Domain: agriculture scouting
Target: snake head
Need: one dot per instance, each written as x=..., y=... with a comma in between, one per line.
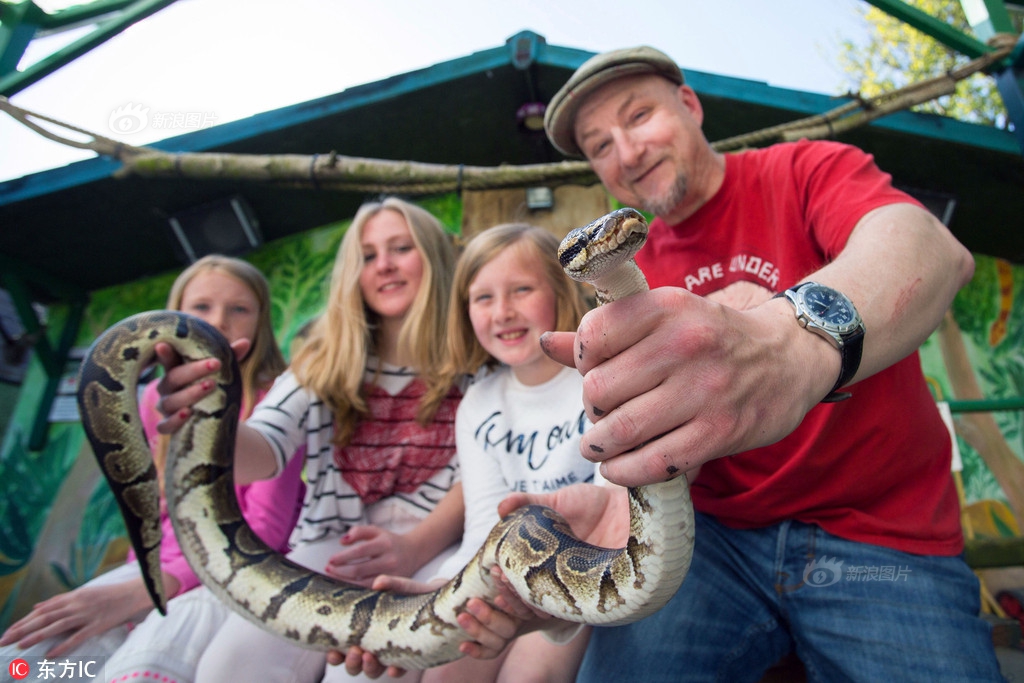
x=588, y=252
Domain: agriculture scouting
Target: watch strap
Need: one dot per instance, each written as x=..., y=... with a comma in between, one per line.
x=849, y=353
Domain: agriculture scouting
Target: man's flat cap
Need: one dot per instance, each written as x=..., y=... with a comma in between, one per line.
x=560, y=117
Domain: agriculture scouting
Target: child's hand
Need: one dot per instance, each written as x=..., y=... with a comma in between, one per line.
x=358, y=661
x=78, y=615
x=369, y=551
x=184, y=384
x=490, y=629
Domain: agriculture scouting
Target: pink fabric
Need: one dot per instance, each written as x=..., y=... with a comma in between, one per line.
x=874, y=468
x=271, y=507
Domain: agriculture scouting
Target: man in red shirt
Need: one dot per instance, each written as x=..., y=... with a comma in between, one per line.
x=775, y=355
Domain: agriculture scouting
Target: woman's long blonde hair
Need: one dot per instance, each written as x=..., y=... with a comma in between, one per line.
x=333, y=360
x=464, y=353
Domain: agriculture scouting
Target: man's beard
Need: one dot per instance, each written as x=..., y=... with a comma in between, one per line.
x=661, y=206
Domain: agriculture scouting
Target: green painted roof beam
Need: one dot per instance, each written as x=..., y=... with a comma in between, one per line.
x=140, y=9
x=987, y=17
x=1010, y=82
x=18, y=25
x=41, y=424
x=14, y=278
x=54, y=286
x=22, y=301
x=80, y=14
x=937, y=29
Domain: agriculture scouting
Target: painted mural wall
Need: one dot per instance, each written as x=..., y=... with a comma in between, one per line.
x=59, y=525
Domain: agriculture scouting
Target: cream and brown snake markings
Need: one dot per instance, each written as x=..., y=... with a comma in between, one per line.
x=534, y=546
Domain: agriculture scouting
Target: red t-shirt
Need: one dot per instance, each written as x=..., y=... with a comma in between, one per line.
x=874, y=468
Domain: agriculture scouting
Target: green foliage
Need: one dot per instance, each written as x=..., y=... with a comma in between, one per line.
x=896, y=55
x=447, y=208
x=101, y=525
x=299, y=271
x=108, y=306
x=29, y=482
x=975, y=306
x=979, y=482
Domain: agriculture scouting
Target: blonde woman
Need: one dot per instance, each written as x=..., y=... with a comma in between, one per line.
x=362, y=397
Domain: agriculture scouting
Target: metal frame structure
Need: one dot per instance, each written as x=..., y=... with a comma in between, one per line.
x=22, y=22
x=986, y=18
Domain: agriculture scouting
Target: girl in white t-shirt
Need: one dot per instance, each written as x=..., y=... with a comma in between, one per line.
x=519, y=425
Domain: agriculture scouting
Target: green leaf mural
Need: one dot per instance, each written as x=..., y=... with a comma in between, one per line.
x=988, y=313
x=299, y=270
x=975, y=305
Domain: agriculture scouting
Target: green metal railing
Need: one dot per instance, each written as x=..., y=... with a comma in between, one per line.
x=987, y=405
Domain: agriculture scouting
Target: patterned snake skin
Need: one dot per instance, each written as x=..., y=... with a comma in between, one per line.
x=534, y=546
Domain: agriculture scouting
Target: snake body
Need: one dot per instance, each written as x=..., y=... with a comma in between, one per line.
x=534, y=546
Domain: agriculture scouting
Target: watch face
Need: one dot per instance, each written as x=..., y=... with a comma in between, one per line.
x=829, y=306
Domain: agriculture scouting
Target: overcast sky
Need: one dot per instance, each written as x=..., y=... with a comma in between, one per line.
x=204, y=62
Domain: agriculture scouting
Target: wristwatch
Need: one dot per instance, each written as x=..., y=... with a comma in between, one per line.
x=830, y=314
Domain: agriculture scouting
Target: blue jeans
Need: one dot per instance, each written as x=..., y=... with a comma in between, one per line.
x=850, y=611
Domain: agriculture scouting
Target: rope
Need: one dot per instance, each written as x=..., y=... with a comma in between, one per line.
x=312, y=172
x=353, y=174
x=861, y=111
x=99, y=144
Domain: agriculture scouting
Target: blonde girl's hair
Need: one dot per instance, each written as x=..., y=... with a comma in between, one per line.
x=465, y=354
x=264, y=362
x=332, y=361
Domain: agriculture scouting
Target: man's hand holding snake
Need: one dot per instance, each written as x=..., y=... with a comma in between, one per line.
x=672, y=380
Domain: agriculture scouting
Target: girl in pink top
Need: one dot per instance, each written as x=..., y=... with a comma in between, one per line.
x=96, y=619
